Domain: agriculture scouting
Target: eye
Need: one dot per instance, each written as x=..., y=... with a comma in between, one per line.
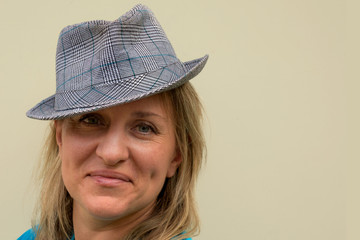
x=144, y=128
x=91, y=119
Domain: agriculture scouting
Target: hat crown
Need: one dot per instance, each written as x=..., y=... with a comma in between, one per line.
x=101, y=64
x=106, y=52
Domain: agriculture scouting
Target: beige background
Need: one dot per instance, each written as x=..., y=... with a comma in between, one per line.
x=281, y=90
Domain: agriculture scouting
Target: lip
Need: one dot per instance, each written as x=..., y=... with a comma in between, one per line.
x=109, y=178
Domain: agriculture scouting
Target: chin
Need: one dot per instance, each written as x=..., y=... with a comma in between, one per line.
x=106, y=208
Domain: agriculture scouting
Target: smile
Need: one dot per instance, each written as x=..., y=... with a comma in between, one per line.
x=109, y=178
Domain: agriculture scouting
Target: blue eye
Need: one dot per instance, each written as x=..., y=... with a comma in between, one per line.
x=144, y=128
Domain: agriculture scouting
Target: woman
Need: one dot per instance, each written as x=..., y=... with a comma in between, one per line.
x=126, y=144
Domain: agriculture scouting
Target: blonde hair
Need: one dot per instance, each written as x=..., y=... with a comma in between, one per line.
x=175, y=214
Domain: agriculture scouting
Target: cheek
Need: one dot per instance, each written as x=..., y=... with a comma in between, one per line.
x=69, y=165
x=74, y=155
x=154, y=161
x=75, y=148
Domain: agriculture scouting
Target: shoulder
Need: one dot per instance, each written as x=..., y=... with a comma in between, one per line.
x=28, y=235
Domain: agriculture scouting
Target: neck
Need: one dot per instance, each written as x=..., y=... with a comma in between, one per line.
x=89, y=227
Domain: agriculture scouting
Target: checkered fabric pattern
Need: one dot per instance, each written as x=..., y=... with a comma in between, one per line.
x=101, y=63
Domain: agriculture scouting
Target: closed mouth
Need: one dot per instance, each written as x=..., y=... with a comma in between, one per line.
x=110, y=175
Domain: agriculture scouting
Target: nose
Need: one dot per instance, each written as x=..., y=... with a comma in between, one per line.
x=113, y=148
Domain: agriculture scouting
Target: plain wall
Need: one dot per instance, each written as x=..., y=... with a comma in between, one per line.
x=281, y=92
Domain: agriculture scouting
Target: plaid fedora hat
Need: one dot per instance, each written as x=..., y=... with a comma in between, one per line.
x=102, y=63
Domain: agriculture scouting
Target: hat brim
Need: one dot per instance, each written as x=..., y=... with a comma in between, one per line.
x=45, y=110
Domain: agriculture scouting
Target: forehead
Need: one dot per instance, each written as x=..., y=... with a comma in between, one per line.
x=154, y=105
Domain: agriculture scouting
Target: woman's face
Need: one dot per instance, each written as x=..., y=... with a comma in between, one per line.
x=115, y=161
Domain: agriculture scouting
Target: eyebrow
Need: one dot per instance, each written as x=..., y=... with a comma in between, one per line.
x=142, y=114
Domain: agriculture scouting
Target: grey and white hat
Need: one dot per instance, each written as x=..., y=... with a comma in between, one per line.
x=102, y=63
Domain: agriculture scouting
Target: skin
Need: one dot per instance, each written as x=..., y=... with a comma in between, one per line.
x=114, y=164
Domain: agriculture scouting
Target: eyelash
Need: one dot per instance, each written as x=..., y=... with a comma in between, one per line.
x=143, y=124
x=84, y=119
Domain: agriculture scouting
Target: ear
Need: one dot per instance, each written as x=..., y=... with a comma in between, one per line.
x=58, y=132
x=174, y=164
